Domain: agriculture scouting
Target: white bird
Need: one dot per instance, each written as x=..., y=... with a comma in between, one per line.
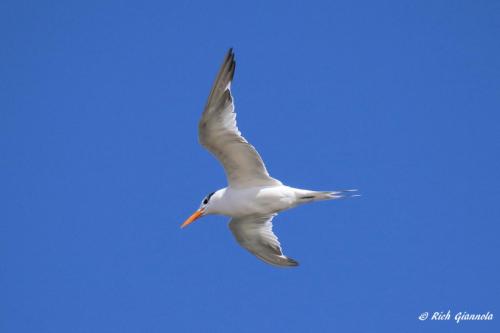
x=253, y=198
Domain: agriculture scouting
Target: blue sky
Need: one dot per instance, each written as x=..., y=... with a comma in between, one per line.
x=99, y=103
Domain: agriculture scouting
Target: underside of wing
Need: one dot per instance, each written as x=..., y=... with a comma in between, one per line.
x=219, y=133
x=256, y=235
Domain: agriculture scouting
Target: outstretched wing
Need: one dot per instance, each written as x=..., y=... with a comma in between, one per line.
x=256, y=235
x=217, y=131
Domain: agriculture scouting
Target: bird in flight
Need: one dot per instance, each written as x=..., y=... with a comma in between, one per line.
x=253, y=198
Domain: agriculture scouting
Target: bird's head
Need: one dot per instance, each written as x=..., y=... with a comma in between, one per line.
x=203, y=210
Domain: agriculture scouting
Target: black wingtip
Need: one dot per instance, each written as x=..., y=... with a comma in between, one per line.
x=230, y=54
x=232, y=63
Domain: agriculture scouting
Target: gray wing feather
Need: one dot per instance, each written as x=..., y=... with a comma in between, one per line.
x=218, y=132
x=256, y=235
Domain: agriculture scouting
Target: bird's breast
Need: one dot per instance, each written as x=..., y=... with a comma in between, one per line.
x=254, y=201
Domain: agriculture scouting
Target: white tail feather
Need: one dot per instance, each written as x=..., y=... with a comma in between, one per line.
x=329, y=195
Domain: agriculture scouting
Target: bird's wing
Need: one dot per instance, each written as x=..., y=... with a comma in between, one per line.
x=256, y=235
x=218, y=133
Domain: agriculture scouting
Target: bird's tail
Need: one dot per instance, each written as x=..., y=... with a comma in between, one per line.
x=328, y=195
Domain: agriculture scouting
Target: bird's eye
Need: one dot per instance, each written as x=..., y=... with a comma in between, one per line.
x=205, y=201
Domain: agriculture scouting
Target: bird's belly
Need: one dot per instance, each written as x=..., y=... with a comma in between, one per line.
x=260, y=201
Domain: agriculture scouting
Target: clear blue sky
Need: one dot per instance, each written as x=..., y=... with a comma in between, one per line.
x=100, y=164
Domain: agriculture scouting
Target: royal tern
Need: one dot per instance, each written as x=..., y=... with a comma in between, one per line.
x=252, y=198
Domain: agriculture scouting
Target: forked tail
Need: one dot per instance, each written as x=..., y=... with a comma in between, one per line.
x=343, y=194
x=328, y=195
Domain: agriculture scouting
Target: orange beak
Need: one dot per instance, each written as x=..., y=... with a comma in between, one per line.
x=192, y=218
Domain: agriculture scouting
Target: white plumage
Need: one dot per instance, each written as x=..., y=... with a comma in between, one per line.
x=253, y=197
